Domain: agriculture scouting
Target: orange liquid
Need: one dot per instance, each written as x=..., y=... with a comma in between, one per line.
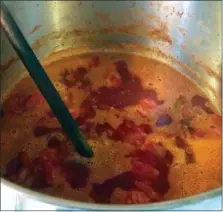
x=103, y=90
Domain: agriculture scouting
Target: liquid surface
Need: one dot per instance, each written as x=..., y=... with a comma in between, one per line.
x=154, y=134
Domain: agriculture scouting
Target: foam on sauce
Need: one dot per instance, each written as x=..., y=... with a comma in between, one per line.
x=153, y=139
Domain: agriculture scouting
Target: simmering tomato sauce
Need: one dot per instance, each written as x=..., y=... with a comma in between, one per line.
x=155, y=135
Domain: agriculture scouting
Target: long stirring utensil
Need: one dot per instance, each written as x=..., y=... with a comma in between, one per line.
x=43, y=82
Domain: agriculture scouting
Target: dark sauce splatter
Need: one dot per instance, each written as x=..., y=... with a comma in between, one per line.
x=101, y=193
x=163, y=120
x=199, y=101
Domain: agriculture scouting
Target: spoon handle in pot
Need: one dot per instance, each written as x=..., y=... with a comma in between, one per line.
x=43, y=82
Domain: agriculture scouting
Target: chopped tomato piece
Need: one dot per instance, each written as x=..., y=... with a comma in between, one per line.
x=22, y=175
x=136, y=197
x=59, y=144
x=17, y=163
x=16, y=104
x=142, y=112
x=200, y=101
x=34, y=99
x=13, y=166
x=143, y=171
x=50, y=160
x=53, y=142
x=129, y=132
x=20, y=103
x=158, y=150
x=38, y=180
x=199, y=133
x=217, y=119
x=50, y=156
x=146, y=187
x=49, y=123
x=115, y=81
x=95, y=62
x=74, y=113
x=207, y=133
x=137, y=137
x=148, y=103
x=25, y=159
x=76, y=173
x=75, y=77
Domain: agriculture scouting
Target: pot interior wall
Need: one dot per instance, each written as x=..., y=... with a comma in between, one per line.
x=186, y=35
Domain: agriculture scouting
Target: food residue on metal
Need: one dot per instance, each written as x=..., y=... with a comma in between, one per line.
x=6, y=65
x=36, y=28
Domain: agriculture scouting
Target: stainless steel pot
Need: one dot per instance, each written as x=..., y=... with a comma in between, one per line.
x=184, y=34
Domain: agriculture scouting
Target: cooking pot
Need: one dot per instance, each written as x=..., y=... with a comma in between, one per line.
x=183, y=34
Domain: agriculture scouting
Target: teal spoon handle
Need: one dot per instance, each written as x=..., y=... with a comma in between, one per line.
x=43, y=82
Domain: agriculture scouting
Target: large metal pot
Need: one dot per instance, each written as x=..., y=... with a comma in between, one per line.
x=184, y=34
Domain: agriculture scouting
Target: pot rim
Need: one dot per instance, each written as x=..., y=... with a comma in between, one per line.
x=94, y=206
